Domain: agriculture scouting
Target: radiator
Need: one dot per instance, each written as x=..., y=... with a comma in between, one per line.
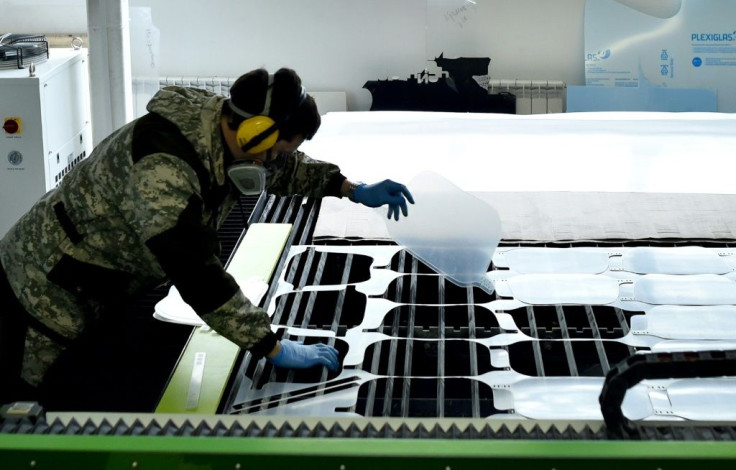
x=533, y=96
x=145, y=88
x=218, y=85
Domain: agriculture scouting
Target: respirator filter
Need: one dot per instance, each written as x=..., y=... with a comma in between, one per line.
x=250, y=179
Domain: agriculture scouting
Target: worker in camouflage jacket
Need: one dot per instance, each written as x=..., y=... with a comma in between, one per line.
x=144, y=209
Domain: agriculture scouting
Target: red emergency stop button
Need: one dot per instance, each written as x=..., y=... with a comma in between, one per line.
x=11, y=125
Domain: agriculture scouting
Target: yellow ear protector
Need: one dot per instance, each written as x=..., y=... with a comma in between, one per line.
x=259, y=132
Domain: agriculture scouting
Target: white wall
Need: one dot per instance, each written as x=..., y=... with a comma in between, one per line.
x=340, y=44
x=43, y=16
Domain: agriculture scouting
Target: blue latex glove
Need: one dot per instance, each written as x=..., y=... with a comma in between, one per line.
x=386, y=192
x=295, y=355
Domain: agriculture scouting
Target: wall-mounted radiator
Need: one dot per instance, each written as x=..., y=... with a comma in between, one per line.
x=144, y=89
x=533, y=96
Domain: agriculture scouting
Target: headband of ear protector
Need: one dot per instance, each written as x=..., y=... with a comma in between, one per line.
x=259, y=132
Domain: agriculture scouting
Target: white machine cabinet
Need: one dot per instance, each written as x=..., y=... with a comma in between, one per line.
x=46, y=129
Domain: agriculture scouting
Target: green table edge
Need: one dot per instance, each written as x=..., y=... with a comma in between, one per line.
x=36, y=451
x=256, y=256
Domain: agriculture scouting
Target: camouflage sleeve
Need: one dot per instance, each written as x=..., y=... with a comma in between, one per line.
x=300, y=174
x=167, y=213
x=244, y=324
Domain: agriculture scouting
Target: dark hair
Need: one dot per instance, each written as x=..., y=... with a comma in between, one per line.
x=248, y=94
x=305, y=121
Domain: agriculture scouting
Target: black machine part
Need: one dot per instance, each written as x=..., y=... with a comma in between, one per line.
x=670, y=365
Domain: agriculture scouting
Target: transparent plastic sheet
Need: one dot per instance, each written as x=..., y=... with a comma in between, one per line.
x=682, y=260
x=568, y=392
x=554, y=260
x=450, y=230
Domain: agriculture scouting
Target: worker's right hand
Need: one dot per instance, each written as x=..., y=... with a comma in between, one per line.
x=295, y=355
x=387, y=192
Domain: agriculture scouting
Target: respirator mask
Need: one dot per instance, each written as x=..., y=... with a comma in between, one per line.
x=250, y=178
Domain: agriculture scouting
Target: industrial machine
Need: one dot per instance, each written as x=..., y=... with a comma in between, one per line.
x=46, y=124
x=595, y=349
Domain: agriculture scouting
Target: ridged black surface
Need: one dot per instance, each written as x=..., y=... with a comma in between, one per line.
x=300, y=429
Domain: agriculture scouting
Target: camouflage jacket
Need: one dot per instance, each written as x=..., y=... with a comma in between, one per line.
x=141, y=210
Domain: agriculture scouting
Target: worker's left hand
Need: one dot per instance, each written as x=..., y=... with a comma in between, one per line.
x=296, y=355
x=386, y=192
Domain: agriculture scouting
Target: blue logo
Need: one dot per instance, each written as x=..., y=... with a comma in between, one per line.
x=600, y=55
x=713, y=37
x=697, y=61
